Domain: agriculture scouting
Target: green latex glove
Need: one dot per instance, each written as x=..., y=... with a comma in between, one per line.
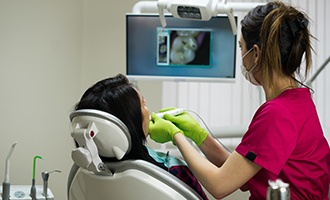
x=188, y=125
x=161, y=130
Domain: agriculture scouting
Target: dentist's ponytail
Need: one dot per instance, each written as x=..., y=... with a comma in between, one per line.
x=281, y=32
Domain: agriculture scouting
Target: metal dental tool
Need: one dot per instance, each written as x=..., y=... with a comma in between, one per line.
x=33, y=191
x=6, y=183
x=45, y=176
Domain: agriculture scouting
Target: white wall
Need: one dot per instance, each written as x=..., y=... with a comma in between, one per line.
x=40, y=65
x=104, y=49
x=50, y=52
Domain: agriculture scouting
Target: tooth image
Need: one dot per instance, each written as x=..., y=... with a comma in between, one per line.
x=189, y=55
x=191, y=43
x=183, y=49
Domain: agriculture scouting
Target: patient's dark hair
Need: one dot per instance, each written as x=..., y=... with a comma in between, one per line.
x=115, y=95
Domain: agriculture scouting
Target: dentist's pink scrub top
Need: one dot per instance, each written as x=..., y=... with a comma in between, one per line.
x=285, y=138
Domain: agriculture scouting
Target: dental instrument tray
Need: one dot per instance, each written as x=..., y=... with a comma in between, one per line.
x=22, y=192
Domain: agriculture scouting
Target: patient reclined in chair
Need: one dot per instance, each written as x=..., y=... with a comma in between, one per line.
x=99, y=135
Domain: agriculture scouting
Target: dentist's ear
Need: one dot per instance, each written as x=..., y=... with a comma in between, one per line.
x=257, y=54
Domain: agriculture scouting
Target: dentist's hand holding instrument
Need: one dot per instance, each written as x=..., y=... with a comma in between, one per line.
x=188, y=125
x=161, y=130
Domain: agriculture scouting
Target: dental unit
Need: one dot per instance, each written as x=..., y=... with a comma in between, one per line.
x=26, y=192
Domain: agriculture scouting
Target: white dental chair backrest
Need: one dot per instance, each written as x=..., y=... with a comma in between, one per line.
x=100, y=133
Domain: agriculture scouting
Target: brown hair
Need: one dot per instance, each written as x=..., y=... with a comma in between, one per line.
x=281, y=32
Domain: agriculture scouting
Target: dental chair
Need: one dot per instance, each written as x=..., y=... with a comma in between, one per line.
x=101, y=134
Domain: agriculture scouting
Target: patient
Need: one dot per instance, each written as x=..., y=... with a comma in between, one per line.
x=115, y=95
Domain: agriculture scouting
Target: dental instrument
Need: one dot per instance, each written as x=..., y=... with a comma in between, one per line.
x=6, y=183
x=173, y=112
x=25, y=192
x=33, y=191
x=45, y=176
x=178, y=111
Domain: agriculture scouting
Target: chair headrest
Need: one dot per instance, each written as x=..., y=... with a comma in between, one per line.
x=98, y=133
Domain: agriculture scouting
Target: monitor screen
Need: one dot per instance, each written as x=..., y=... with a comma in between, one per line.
x=184, y=50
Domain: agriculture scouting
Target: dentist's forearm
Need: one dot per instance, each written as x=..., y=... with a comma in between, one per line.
x=214, y=151
x=218, y=181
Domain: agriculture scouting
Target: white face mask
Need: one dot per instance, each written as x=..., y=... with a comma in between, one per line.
x=248, y=74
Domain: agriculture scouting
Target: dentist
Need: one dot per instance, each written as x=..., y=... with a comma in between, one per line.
x=284, y=139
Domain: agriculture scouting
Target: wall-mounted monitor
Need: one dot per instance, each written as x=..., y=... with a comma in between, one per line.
x=184, y=50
